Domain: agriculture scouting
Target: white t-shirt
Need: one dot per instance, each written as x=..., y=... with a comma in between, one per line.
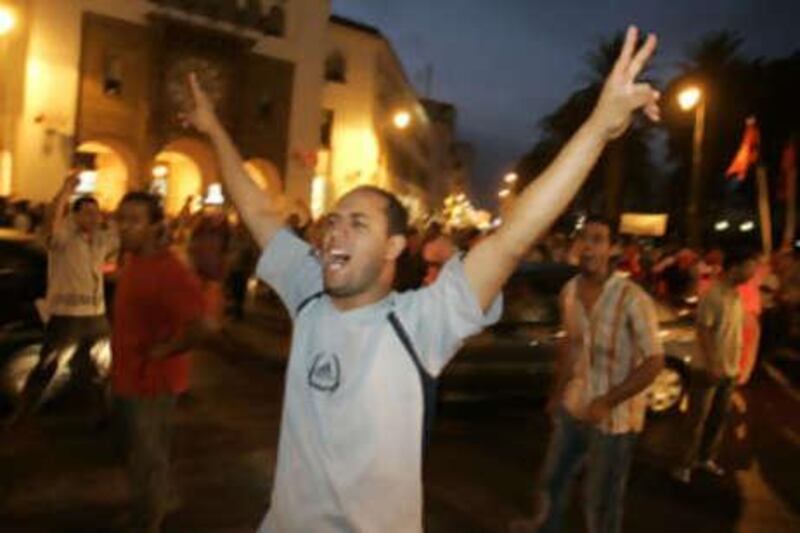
x=75, y=270
x=349, y=455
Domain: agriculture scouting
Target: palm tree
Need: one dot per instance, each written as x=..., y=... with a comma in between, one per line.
x=728, y=85
x=622, y=177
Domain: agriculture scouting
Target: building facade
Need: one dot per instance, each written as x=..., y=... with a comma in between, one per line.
x=317, y=104
x=108, y=78
x=375, y=129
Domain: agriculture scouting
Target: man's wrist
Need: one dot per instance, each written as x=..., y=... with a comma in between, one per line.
x=595, y=127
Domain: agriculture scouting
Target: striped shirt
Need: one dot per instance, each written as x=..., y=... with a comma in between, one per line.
x=606, y=345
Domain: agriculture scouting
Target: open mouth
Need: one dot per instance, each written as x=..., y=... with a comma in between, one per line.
x=336, y=260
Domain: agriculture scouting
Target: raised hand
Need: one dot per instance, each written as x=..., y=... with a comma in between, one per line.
x=202, y=117
x=71, y=182
x=622, y=94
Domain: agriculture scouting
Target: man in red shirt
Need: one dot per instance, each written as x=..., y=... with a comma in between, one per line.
x=158, y=315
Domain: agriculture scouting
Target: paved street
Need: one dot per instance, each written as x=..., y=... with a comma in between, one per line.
x=61, y=473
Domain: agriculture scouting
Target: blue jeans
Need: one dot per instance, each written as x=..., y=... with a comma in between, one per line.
x=607, y=458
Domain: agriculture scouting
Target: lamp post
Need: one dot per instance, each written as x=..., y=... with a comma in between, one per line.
x=688, y=99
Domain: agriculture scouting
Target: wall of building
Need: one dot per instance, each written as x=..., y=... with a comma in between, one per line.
x=355, y=150
x=366, y=146
x=47, y=117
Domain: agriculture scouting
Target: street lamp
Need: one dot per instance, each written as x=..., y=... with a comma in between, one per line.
x=401, y=120
x=688, y=99
x=504, y=193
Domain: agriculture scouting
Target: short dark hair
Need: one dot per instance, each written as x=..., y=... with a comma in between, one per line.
x=86, y=199
x=601, y=220
x=737, y=256
x=152, y=202
x=396, y=213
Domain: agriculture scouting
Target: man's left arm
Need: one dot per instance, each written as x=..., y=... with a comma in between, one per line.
x=492, y=261
x=641, y=315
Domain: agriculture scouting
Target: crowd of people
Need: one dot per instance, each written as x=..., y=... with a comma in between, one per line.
x=365, y=349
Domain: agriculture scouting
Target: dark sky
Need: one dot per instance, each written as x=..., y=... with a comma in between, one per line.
x=507, y=63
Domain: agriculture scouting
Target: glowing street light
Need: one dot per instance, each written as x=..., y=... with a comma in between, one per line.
x=689, y=97
x=7, y=20
x=504, y=193
x=401, y=120
x=747, y=226
x=511, y=178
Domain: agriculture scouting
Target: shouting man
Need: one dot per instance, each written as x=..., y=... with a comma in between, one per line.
x=351, y=440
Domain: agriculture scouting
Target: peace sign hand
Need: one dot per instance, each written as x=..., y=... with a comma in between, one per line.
x=622, y=94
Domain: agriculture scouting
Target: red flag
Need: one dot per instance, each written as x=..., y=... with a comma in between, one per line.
x=788, y=169
x=748, y=151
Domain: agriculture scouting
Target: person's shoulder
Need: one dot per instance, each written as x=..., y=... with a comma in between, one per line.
x=569, y=287
x=634, y=289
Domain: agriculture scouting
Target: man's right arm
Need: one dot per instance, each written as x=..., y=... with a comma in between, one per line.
x=256, y=207
x=57, y=210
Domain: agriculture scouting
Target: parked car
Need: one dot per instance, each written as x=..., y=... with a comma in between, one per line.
x=515, y=358
x=23, y=281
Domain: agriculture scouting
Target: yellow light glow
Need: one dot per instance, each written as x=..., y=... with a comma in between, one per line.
x=504, y=193
x=6, y=166
x=689, y=97
x=401, y=120
x=317, y=196
x=7, y=20
x=214, y=195
x=160, y=170
x=511, y=177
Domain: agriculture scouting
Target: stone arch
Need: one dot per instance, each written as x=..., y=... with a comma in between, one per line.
x=185, y=167
x=115, y=169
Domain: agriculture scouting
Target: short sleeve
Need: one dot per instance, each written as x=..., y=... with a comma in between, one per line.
x=441, y=316
x=289, y=265
x=644, y=322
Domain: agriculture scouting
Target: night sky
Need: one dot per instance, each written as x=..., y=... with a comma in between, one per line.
x=507, y=63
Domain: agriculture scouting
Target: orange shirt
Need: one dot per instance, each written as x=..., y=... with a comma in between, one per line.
x=156, y=297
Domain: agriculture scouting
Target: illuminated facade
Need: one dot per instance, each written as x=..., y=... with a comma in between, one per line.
x=107, y=77
x=374, y=130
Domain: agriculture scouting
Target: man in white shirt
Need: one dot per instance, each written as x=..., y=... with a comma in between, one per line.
x=720, y=321
x=349, y=456
x=77, y=248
